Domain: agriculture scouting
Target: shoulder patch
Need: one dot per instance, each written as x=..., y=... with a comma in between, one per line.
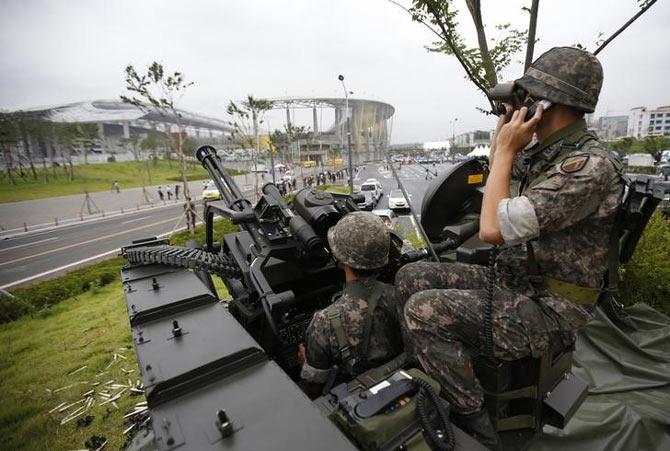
x=574, y=164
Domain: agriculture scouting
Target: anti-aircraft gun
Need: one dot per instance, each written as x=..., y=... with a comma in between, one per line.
x=218, y=374
x=225, y=375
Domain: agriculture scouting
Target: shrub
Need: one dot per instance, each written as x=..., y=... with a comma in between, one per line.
x=32, y=299
x=646, y=278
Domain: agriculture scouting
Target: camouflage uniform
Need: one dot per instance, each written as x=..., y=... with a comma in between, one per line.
x=570, y=192
x=361, y=241
x=321, y=346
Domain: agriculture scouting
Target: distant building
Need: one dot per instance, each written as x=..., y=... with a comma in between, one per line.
x=643, y=121
x=612, y=127
x=473, y=139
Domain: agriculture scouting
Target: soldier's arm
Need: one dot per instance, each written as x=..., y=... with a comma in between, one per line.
x=318, y=359
x=575, y=188
x=511, y=139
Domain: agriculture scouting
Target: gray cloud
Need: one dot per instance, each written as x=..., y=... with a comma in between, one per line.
x=61, y=51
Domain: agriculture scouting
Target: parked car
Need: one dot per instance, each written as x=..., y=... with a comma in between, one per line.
x=369, y=201
x=373, y=185
x=260, y=167
x=397, y=201
x=210, y=192
x=388, y=216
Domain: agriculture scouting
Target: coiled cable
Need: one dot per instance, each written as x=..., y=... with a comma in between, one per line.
x=442, y=437
x=488, y=302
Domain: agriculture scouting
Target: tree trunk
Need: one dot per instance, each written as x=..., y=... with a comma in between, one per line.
x=475, y=8
x=531, y=34
x=26, y=147
x=7, y=155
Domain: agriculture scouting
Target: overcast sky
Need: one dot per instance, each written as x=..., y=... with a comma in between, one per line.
x=57, y=51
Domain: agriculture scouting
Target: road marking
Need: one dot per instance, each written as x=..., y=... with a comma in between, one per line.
x=61, y=268
x=135, y=220
x=86, y=242
x=80, y=262
x=28, y=244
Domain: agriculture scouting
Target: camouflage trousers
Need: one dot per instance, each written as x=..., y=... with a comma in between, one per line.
x=444, y=321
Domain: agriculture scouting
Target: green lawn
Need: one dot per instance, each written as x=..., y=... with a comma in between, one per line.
x=38, y=353
x=96, y=177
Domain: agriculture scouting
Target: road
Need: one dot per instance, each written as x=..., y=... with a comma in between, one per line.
x=413, y=178
x=33, y=256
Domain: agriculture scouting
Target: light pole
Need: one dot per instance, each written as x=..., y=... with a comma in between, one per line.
x=346, y=111
x=453, y=134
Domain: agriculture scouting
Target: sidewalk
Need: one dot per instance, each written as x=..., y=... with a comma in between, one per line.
x=16, y=217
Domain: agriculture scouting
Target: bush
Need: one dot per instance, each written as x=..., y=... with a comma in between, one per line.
x=646, y=278
x=43, y=295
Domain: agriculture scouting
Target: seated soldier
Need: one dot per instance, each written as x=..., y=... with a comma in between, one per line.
x=359, y=330
x=556, y=236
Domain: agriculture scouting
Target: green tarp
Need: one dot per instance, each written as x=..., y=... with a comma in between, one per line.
x=628, y=406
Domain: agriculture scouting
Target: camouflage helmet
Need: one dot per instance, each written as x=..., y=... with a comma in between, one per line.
x=566, y=76
x=360, y=240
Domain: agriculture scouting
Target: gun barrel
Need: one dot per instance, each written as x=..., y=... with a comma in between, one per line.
x=229, y=190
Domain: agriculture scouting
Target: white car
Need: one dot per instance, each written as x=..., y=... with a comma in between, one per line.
x=374, y=186
x=397, y=201
x=210, y=192
x=388, y=216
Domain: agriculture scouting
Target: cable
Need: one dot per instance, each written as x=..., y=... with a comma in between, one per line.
x=438, y=439
x=488, y=302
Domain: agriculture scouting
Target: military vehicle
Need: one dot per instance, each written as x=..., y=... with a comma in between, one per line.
x=225, y=375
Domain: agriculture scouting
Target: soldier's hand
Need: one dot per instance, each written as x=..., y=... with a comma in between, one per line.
x=517, y=133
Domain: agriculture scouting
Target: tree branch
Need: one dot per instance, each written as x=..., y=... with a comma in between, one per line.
x=644, y=9
x=530, y=49
x=475, y=8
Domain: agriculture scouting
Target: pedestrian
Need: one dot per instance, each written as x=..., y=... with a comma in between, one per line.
x=116, y=187
x=160, y=193
x=294, y=182
x=168, y=190
x=556, y=236
x=189, y=210
x=176, y=191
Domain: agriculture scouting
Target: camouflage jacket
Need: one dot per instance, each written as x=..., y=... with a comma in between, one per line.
x=575, y=188
x=321, y=346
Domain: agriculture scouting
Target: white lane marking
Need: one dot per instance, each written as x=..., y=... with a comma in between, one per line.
x=28, y=244
x=135, y=220
x=80, y=262
x=86, y=242
x=61, y=268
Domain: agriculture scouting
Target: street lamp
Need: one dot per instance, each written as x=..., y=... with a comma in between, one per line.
x=453, y=134
x=346, y=111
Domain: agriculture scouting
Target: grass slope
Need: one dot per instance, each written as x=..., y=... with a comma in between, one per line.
x=97, y=177
x=38, y=353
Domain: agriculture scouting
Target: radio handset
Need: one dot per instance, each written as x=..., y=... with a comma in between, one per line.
x=546, y=104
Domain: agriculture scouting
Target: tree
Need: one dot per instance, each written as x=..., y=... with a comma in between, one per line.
x=88, y=134
x=245, y=119
x=159, y=91
x=133, y=143
x=9, y=136
x=66, y=135
x=482, y=63
x=283, y=139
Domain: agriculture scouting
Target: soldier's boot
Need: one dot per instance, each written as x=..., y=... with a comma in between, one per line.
x=479, y=426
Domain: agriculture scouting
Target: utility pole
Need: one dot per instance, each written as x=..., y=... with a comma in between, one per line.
x=346, y=108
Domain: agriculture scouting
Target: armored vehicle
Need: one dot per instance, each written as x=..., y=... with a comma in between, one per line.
x=225, y=375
